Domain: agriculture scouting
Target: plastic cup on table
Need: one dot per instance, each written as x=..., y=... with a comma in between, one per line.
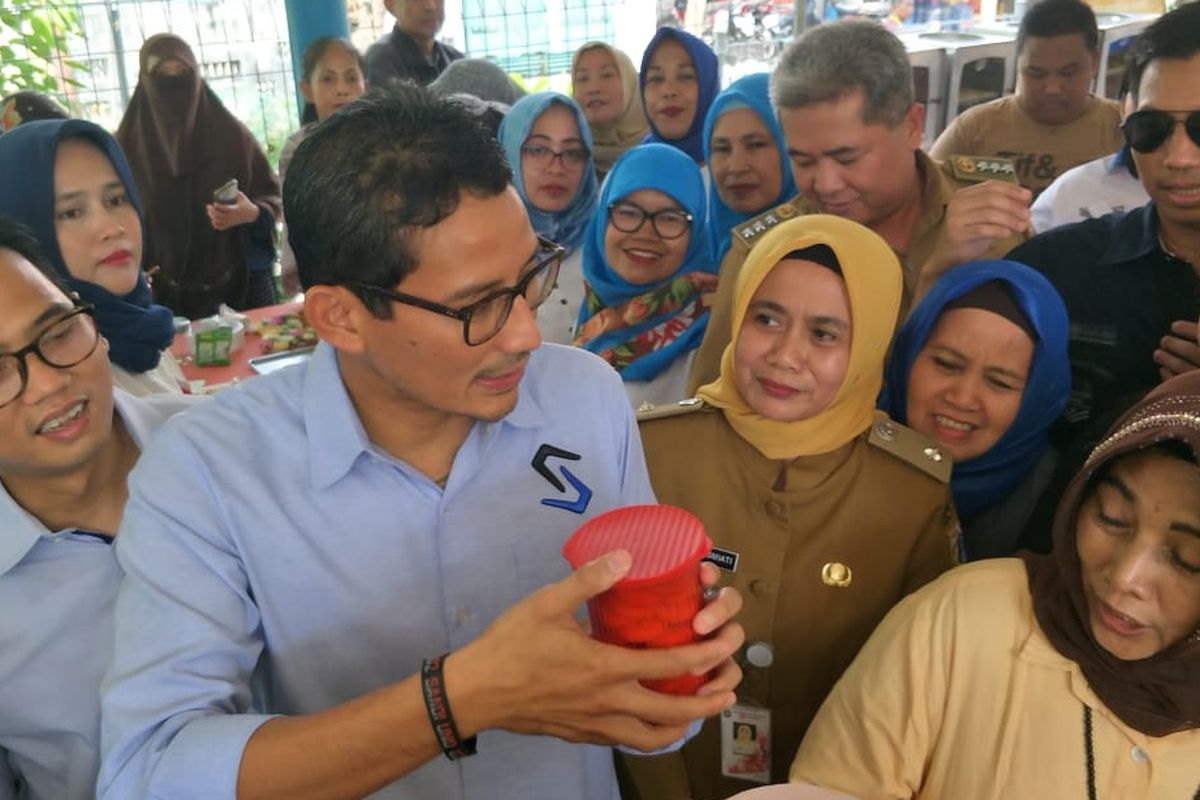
x=654, y=604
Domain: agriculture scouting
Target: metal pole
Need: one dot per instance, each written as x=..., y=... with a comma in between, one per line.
x=800, y=17
x=312, y=19
x=114, y=22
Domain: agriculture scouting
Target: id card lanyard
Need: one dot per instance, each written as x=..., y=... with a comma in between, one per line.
x=746, y=726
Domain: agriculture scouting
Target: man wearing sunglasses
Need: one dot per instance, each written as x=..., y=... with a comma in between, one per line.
x=1130, y=281
x=67, y=443
x=334, y=576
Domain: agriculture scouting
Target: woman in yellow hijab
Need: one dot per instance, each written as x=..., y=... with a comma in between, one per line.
x=823, y=512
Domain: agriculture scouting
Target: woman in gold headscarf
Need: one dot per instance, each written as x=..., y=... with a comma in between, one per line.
x=823, y=512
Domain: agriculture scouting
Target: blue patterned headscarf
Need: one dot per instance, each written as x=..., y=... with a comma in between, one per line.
x=137, y=330
x=708, y=79
x=989, y=478
x=668, y=170
x=748, y=92
x=564, y=227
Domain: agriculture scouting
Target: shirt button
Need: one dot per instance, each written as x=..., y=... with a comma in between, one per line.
x=461, y=617
x=774, y=508
x=1139, y=755
x=760, y=654
x=760, y=588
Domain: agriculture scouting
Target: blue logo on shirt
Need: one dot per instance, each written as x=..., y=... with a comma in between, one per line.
x=584, y=496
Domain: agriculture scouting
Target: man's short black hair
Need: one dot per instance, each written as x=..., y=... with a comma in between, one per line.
x=1175, y=35
x=367, y=178
x=18, y=238
x=1058, y=18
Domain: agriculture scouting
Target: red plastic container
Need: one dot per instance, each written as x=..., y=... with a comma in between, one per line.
x=654, y=604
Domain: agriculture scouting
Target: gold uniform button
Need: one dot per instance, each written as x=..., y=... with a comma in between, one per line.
x=835, y=573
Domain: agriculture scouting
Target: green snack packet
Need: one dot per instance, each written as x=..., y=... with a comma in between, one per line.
x=213, y=346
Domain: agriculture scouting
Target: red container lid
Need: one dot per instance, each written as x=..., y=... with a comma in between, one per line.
x=663, y=540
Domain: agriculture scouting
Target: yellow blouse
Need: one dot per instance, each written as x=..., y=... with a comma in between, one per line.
x=958, y=694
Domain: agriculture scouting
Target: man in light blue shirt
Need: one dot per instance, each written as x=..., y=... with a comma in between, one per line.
x=300, y=552
x=67, y=442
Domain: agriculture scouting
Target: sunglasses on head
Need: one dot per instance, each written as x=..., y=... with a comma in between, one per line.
x=1146, y=131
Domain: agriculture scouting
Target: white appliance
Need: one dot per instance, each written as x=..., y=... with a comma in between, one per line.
x=1117, y=32
x=978, y=66
x=930, y=81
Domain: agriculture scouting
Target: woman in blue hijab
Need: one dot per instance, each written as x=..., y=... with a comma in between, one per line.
x=79, y=198
x=747, y=157
x=548, y=145
x=648, y=273
x=981, y=366
x=680, y=78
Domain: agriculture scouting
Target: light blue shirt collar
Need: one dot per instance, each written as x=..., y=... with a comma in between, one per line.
x=336, y=436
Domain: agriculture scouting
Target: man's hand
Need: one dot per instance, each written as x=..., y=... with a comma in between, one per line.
x=223, y=216
x=976, y=217
x=536, y=671
x=1179, y=351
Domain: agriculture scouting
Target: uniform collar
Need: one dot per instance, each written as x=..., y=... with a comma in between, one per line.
x=936, y=191
x=336, y=436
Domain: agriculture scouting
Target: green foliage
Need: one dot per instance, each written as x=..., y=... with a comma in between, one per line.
x=543, y=83
x=33, y=46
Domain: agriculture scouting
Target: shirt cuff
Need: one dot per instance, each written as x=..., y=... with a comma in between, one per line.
x=203, y=759
x=692, y=729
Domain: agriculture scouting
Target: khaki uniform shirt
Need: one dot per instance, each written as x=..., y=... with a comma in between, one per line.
x=1040, y=152
x=938, y=184
x=879, y=505
x=960, y=695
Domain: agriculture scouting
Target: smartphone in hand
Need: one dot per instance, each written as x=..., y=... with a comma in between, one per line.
x=227, y=193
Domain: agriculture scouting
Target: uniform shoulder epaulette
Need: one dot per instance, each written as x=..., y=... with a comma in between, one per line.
x=649, y=411
x=977, y=169
x=911, y=447
x=752, y=229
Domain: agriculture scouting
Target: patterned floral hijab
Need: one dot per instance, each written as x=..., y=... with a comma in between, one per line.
x=642, y=328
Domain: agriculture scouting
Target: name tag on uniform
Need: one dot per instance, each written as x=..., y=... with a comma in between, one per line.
x=746, y=743
x=725, y=559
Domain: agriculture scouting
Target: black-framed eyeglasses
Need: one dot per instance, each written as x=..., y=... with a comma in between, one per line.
x=542, y=156
x=1148, y=130
x=68, y=340
x=484, y=318
x=668, y=223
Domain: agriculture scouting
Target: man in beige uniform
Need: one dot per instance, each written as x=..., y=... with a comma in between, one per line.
x=1053, y=122
x=844, y=96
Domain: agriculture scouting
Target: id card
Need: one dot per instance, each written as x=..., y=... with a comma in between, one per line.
x=746, y=743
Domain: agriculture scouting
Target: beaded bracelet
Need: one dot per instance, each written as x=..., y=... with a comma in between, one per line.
x=437, y=706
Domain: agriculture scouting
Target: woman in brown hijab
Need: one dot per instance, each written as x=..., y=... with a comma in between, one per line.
x=184, y=145
x=1073, y=675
